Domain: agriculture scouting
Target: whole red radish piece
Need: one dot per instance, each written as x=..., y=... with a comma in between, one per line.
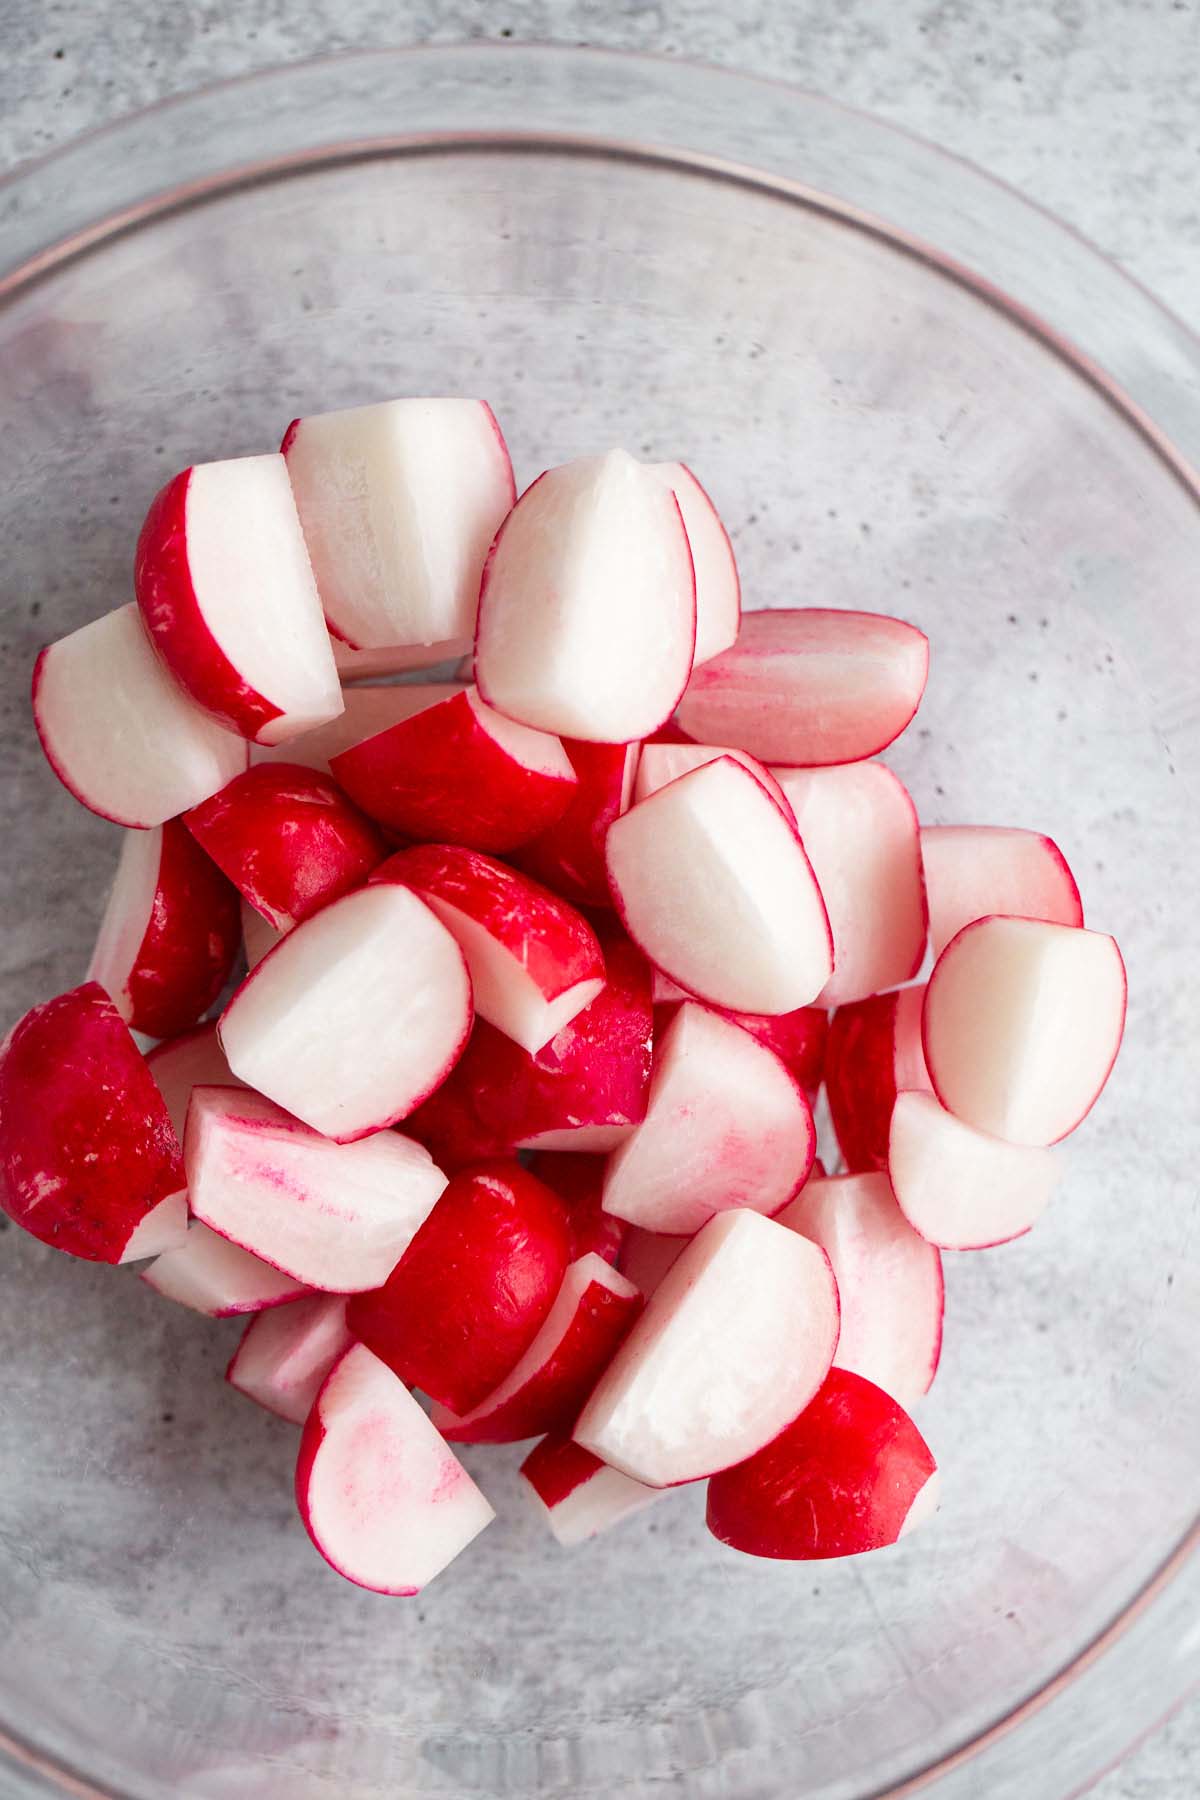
x=286, y=1354
x=660, y=764
x=798, y=1038
x=851, y=1473
x=368, y=711
x=874, y=1052
x=961, y=1188
x=211, y=1275
x=718, y=590
x=974, y=870
x=569, y=855
x=577, y=1494
x=194, y=1059
x=578, y=1181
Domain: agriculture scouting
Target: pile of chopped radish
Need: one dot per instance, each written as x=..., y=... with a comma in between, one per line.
x=544, y=967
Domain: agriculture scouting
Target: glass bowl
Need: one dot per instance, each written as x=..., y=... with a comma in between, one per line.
x=909, y=390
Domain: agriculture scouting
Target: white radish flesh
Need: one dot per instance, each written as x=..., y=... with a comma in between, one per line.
x=974, y=870
x=959, y=1187
x=211, y=1275
x=287, y=1353
x=718, y=590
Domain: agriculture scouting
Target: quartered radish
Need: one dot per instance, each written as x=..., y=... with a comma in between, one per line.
x=577, y=1494
x=194, y=1059
x=974, y=870
x=368, y=711
x=287, y=1353
x=873, y=1053
x=718, y=590
x=663, y=763
x=798, y=1038
x=569, y=855
x=211, y=1275
x=959, y=1187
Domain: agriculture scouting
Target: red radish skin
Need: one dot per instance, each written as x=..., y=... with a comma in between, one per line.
x=798, y=1038
x=662, y=763
x=874, y=1051
x=577, y=1495
x=471, y=1292
x=592, y=1314
x=568, y=856
x=960, y=1188
x=974, y=870
x=718, y=589
x=194, y=1059
x=170, y=932
x=579, y=1183
x=851, y=1473
x=287, y=1353
x=209, y=1275
x=368, y=711
x=89, y=1163
x=809, y=687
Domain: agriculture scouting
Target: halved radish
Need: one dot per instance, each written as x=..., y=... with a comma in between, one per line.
x=396, y=659
x=471, y=1292
x=460, y=773
x=718, y=590
x=119, y=733
x=873, y=1053
x=647, y=1255
x=227, y=594
x=587, y=610
x=335, y=1216
x=355, y=1016
x=194, y=1059
x=368, y=711
x=578, y=1181
x=288, y=839
x=859, y=829
x=959, y=1187
x=213, y=1276
x=383, y=1499
x=287, y=1353
x=889, y=1280
x=257, y=936
x=798, y=1038
x=399, y=502
x=660, y=764
x=727, y=1126
x=534, y=962
x=712, y=882
x=569, y=855
x=736, y=1341
x=593, y=1312
x=169, y=934
x=974, y=870
x=89, y=1162
x=1022, y=1024
x=577, y=1494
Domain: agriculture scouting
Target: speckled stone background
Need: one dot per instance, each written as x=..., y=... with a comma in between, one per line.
x=1091, y=106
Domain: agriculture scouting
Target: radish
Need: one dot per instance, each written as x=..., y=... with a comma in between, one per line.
x=355, y=1016
x=459, y=773
x=660, y=764
x=227, y=594
x=718, y=590
x=119, y=733
x=798, y=1038
x=213, y=1276
x=395, y=659
x=470, y=1294
x=368, y=711
x=170, y=932
x=587, y=610
x=593, y=1312
x=194, y=1059
x=850, y=1473
x=577, y=1494
x=286, y=1354
x=89, y=1162
x=974, y=870
x=889, y=1280
x=383, y=1499
x=647, y=1255
x=874, y=1052
x=726, y=1126
x=959, y=1187
x=1022, y=1024
x=534, y=962
x=736, y=1341
x=288, y=839
x=334, y=1216
x=569, y=855
x=713, y=884
x=579, y=1183
x=399, y=502
x=859, y=829
x=257, y=936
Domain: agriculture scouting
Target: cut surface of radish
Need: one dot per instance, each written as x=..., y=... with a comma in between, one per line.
x=959, y=1187
x=578, y=1180
x=660, y=764
x=399, y=502
x=194, y=1059
x=396, y=659
x=647, y=1255
x=383, y=1499
x=735, y=1342
x=577, y=1494
x=213, y=1276
x=355, y=1016
x=798, y=1038
x=727, y=1126
x=368, y=711
x=713, y=884
x=119, y=733
x=287, y=1353
x=257, y=936
x=718, y=590
x=874, y=1051
x=568, y=857
x=974, y=870
x=1022, y=1024
x=587, y=609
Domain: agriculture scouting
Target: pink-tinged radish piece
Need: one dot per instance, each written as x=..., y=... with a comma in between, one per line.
x=810, y=686
x=874, y=1052
x=798, y=1038
x=368, y=711
x=851, y=1473
x=286, y=1354
x=735, y=1342
x=889, y=1281
x=727, y=1126
x=472, y=1291
x=227, y=594
x=1022, y=1024
x=119, y=733
x=396, y=659
x=399, y=502
x=859, y=829
x=89, y=1162
x=534, y=962
x=194, y=1059
x=569, y=856
x=460, y=773
x=587, y=610
x=712, y=882
x=959, y=1187
x=288, y=839
x=170, y=932
x=577, y=1494
x=356, y=1015
x=334, y=1216
x=257, y=936
x=718, y=590
x=579, y=1183
x=593, y=1312
x=213, y=1276
x=660, y=764
x=647, y=1255
x=383, y=1499
x=972, y=871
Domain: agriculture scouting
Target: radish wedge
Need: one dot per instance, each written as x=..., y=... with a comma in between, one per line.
x=568, y=857
x=660, y=764
x=577, y=1494
x=286, y=1354
x=194, y=1059
x=798, y=1038
x=718, y=590
x=972, y=871
x=213, y=1276
x=873, y=1053
x=959, y=1187
x=368, y=711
